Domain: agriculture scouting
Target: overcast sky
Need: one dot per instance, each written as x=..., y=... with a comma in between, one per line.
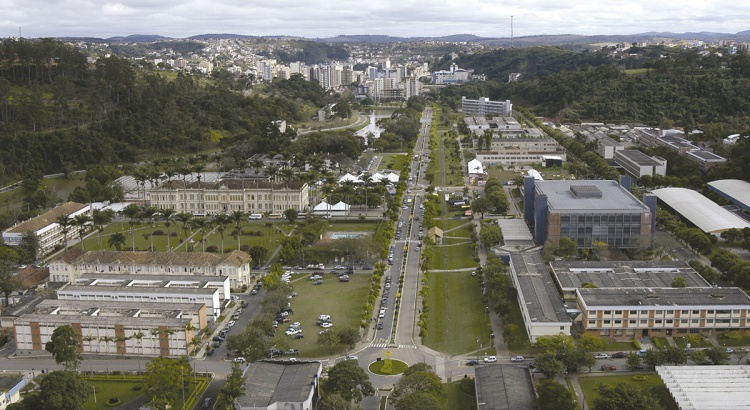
x=404, y=18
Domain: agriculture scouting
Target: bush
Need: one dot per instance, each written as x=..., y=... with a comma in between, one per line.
x=640, y=377
x=245, y=248
x=158, y=232
x=212, y=248
x=113, y=402
x=173, y=234
x=637, y=345
x=137, y=387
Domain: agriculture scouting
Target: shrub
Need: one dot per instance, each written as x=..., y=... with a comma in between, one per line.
x=158, y=232
x=173, y=234
x=212, y=248
x=137, y=387
x=640, y=377
x=113, y=402
x=637, y=345
x=245, y=248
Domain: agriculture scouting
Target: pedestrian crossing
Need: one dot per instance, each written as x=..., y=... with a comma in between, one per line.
x=388, y=345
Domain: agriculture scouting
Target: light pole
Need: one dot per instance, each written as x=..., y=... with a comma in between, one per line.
x=477, y=349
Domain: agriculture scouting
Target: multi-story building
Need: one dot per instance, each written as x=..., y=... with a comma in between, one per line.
x=235, y=265
x=588, y=212
x=48, y=232
x=484, y=106
x=519, y=151
x=632, y=313
x=453, y=76
x=638, y=164
x=230, y=195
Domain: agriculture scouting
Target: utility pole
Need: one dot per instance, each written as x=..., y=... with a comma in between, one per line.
x=511, y=31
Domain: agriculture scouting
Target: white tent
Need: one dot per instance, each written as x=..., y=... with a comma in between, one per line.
x=376, y=177
x=349, y=178
x=392, y=177
x=324, y=208
x=475, y=167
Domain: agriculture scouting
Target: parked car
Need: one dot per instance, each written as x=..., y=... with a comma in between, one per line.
x=602, y=356
x=472, y=362
x=239, y=359
x=299, y=336
x=344, y=278
x=291, y=352
x=490, y=359
x=367, y=267
x=608, y=367
x=326, y=325
x=218, y=338
x=231, y=323
x=254, y=291
x=324, y=317
x=351, y=358
x=515, y=359
x=619, y=355
x=291, y=332
x=217, y=343
x=206, y=403
x=730, y=350
x=380, y=325
x=318, y=282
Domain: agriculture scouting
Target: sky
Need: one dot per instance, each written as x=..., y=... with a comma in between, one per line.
x=399, y=18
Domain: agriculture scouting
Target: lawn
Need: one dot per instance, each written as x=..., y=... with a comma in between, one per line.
x=359, y=226
x=448, y=224
x=105, y=389
x=589, y=384
x=61, y=186
x=394, y=162
x=460, y=395
x=457, y=316
x=619, y=346
x=501, y=174
x=453, y=256
x=694, y=343
x=343, y=301
x=523, y=345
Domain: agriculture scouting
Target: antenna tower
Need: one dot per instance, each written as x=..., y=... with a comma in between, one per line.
x=511, y=31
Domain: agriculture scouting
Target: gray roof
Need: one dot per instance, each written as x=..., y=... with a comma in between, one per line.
x=638, y=157
x=629, y=274
x=664, y=297
x=272, y=382
x=736, y=190
x=49, y=305
x=135, y=289
x=707, y=387
x=613, y=198
x=706, y=155
x=157, y=280
x=698, y=209
x=105, y=320
x=504, y=387
x=542, y=299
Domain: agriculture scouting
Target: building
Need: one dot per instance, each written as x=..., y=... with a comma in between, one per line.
x=475, y=168
x=45, y=227
x=276, y=385
x=484, y=106
x=735, y=190
x=705, y=159
x=588, y=212
x=638, y=164
x=504, y=387
x=520, y=151
x=571, y=275
x=632, y=313
x=230, y=195
x=501, y=127
x=542, y=308
x=707, y=387
x=702, y=212
x=10, y=390
x=453, y=76
x=549, y=161
x=233, y=265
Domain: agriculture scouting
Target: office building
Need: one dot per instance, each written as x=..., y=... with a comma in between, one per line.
x=638, y=164
x=48, y=232
x=484, y=106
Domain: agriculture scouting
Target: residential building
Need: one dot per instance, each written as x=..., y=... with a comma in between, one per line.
x=45, y=227
x=631, y=313
x=275, y=385
x=234, y=265
x=588, y=212
x=230, y=195
x=706, y=159
x=484, y=106
x=638, y=164
x=10, y=390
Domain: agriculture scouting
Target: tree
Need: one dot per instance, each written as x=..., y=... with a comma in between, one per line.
x=653, y=357
x=481, y=205
x=548, y=364
x=590, y=343
x=133, y=212
x=679, y=282
x=699, y=356
x=81, y=221
x=64, y=223
x=567, y=247
x=291, y=215
x=237, y=217
x=63, y=390
x=221, y=220
x=623, y=396
x=164, y=380
x=675, y=355
x=233, y=389
x=258, y=254
x=150, y=212
x=718, y=355
x=329, y=340
x=349, y=381
x=117, y=240
x=417, y=382
x=633, y=360
x=490, y=235
x=554, y=396
x=8, y=280
x=100, y=218
x=168, y=215
x=333, y=402
x=63, y=345
x=417, y=401
x=348, y=336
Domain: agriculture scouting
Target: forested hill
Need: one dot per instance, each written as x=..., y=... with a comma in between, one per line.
x=59, y=113
x=666, y=86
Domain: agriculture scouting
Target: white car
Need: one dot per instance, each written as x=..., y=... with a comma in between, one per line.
x=351, y=358
x=602, y=356
x=296, y=324
x=517, y=359
x=490, y=359
x=291, y=332
x=315, y=277
x=239, y=359
x=231, y=323
x=326, y=325
x=324, y=317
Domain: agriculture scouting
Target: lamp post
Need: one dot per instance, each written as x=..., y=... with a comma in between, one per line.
x=477, y=349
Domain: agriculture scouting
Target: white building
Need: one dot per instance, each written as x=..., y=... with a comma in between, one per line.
x=475, y=168
x=638, y=164
x=46, y=228
x=484, y=106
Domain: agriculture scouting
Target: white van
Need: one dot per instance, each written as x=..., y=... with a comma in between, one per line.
x=256, y=216
x=382, y=313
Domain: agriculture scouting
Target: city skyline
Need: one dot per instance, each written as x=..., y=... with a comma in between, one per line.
x=418, y=18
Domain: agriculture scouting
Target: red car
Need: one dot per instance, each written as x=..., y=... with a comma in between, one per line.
x=609, y=367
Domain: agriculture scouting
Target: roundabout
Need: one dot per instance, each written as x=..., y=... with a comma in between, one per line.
x=387, y=367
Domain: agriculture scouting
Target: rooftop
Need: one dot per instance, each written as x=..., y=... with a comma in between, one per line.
x=234, y=258
x=103, y=279
x=638, y=157
x=111, y=290
x=272, y=382
x=232, y=184
x=707, y=387
x=542, y=299
x=698, y=209
x=628, y=274
x=50, y=305
x=143, y=322
x=38, y=222
x=611, y=198
x=736, y=190
x=504, y=387
x=725, y=297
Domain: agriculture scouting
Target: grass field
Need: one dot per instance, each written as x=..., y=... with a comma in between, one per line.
x=589, y=384
x=61, y=186
x=456, y=315
x=359, y=226
x=460, y=395
x=106, y=389
x=341, y=300
x=450, y=224
x=453, y=256
x=394, y=162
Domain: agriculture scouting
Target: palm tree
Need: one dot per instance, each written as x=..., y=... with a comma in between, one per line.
x=199, y=168
x=237, y=217
x=154, y=338
x=150, y=212
x=81, y=221
x=139, y=337
x=366, y=180
x=221, y=221
x=133, y=212
x=64, y=223
x=195, y=342
x=272, y=171
x=168, y=215
x=200, y=223
x=89, y=339
x=117, y=240
x=100, y=219
x=185, y=218
x=107, y=339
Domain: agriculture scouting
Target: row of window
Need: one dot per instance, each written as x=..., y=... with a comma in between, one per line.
x=667, y=312
x=592, y=322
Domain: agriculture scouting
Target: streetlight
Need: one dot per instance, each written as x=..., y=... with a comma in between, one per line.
x=477, y=349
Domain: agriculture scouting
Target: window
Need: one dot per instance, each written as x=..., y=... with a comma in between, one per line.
x=683, y=321
x=644, y=321
x=694, y=321
x=670, y=312
x=633, y=312
x=684, y=312
x=607, y=312
x=657, y=321
x=607, y=322
x=592, y=322
x=618, y=312
x=632, y=322
x=696, y=312
x=710, y=312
